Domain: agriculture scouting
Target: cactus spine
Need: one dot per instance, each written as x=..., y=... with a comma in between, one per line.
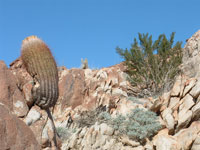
x=41, y=65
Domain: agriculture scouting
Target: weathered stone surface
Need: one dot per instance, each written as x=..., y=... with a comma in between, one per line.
x=191, y=56
x=177, y=87
x=14, y=134
x=32, y=116
x=186, y=103
x=7, y=86
x=72, y=88
x=168, y=118
x=174, y=103
x=189, y=86
x=195, y=92
x=20, y=107
x=196, y=111
x=186, y=137
x=196, y=144
x=163, y=141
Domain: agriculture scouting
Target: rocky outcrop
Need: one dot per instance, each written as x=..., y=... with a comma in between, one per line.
x=85, y=94
x=14, y=133
x=191, y=55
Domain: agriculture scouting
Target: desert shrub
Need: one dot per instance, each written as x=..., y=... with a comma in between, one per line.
x=152, y=66
x=138, y=125
x=63, y=133
x=89, y=118
x=142, y=124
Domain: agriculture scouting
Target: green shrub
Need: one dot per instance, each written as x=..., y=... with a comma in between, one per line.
x=152, y=66
x=64, y=133
x=138, y=125
x=142, y=124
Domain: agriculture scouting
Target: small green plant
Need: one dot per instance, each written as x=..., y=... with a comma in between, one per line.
x=138, y=125
x=135, y=100
x=64, y=133
x=142, y=124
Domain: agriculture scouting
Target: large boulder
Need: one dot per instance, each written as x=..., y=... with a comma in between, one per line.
x=14, y=133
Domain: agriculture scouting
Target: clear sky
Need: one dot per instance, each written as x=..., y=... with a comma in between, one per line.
x=92, y=29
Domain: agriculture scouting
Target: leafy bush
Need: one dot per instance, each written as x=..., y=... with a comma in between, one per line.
x=138, y=125
x=152, y=66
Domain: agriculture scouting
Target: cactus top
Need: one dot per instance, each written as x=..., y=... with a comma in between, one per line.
x=40, y=64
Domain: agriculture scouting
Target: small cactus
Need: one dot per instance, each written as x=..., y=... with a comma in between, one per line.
x=41, y=65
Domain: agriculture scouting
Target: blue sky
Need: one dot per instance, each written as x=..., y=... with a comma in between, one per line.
x=92, y=29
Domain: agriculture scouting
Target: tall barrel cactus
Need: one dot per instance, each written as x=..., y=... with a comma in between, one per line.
x=41, y=65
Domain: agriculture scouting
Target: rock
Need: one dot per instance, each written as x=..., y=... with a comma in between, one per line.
x=196, y=143
x=190, y=85
x=126, y=141
x=191, y=56
x=163, y=141
x=14, y=134
x=196, y=111
x=165, y=100
x=174, y=103
x=72, y=88
x=169, y=120
x=184, y=120
x=177, y=87
x=20, y=107
x=186, y=103
x=195, y=92
x=186, y=137
x=32, y=116
x=7, y=86
x=27, y=94
x=106, y=130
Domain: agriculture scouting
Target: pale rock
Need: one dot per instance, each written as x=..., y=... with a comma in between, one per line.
x=125, y=106
x=188, y=87
x=177, y=87
x=196, y=143
x=137, y=148
x=165, y=142
x=195, y=92
x=106, y=130
x=174, y=102
x=101, y=75
x=88, y=73
x=187, y=103
x=186, y=137
x=118, y=92
x=126, y=141
x=196, y=111
x=100, y=140
x=168, y=118
x=109, y=144
x=123, y=84
x=184, y=119
x=191, y=55
x=73, y=139
x=82, y=133
x=165, y=100
x=19, y=106
x=33, y=116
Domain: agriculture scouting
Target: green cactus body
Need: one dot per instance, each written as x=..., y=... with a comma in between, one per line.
x=41, y=65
